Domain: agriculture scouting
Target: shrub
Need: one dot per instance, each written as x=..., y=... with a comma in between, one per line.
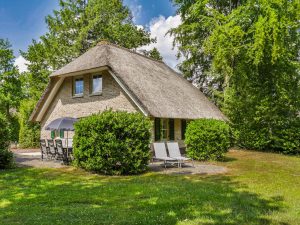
x=6, y=156
x=29, y=134
x=14, y=128
x=280, y=136
x=4, y=132
x=286, y=139
x=207, y=139
x=114, y=143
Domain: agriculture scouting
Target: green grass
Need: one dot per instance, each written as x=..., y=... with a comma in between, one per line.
x=260, y=188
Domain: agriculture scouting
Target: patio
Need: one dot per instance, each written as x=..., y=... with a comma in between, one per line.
x=32, y=158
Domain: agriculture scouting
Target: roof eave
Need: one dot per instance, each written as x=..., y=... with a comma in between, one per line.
x=81, y=72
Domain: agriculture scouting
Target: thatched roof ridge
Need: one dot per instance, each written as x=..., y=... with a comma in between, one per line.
x=160, y=90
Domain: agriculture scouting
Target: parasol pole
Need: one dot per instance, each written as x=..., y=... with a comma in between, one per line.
x=67, y=145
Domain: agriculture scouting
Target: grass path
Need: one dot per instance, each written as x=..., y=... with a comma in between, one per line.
x=260, y=188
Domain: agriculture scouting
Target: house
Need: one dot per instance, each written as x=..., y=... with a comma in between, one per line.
x=108, y=76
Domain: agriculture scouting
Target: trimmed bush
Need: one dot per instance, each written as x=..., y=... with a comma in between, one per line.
x=207, y=139
x=6, y=156
x=114, y=143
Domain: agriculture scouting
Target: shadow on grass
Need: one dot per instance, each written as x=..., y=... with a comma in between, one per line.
x=35, y=196
x=227, y=159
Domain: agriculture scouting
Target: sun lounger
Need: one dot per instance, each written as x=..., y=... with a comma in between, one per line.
x=161, y=153
x=174, y=152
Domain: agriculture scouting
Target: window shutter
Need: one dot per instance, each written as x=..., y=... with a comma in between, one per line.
x=157, y=129
x=171, y=130
x=52, y=134
x=183, y=128
x=61, y=133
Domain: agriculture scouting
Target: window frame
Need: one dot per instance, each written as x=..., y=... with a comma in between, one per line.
x=57, y=134
x=164, y=121
x=164, y=126
x=74, y=87
x=92, y=93
x=183, y=126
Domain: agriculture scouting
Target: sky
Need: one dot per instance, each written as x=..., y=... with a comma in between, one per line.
x=24, y=20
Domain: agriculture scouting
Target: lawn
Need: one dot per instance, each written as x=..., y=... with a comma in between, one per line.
x=260, y=188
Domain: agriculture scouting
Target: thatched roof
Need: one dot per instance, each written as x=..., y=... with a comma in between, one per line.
x=160, y=90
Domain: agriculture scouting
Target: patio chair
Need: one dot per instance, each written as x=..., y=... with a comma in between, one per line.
x=160, y=152
x=52, y=149
x=60, y=150
x=174, y=152
x=44, y=149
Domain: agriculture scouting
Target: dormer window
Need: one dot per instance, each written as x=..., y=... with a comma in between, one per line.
x=78, y=87
x=96, y=84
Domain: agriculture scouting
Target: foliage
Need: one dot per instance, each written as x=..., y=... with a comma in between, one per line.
x=77, y=26
x=10, y=85
x=153, y=53
x=14, y=127
x=198, y=22
x=154, y=198
x=113, y=143
x=207, y=139
x=4, y=132
x=253, y=49
x=6, y=157
x=10, y=88
x=287, y=139
x=29, y=132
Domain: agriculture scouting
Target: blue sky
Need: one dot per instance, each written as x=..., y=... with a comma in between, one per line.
x=24, y=20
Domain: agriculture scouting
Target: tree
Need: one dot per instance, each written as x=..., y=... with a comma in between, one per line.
x=153, y=53
x=198, y=21
x=10, y=88
x=77, y=26
x=253, y=49
x=10, y=85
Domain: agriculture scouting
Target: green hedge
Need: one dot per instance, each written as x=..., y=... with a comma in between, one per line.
x=282, y=136
x=113, y=143
x=207, y=139
x=4, y=132
x=29, y=134
x=286, y=138
x=6, y=156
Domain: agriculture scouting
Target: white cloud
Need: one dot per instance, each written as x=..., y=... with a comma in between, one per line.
x=140, y=27
x=136, y=10
x=159, y=28
x=21, y=63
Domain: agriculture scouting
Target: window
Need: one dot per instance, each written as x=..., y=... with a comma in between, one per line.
x=96, y=84
x=78, y=86
x=57, y=133
x=164, y=129
x=183, y=129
